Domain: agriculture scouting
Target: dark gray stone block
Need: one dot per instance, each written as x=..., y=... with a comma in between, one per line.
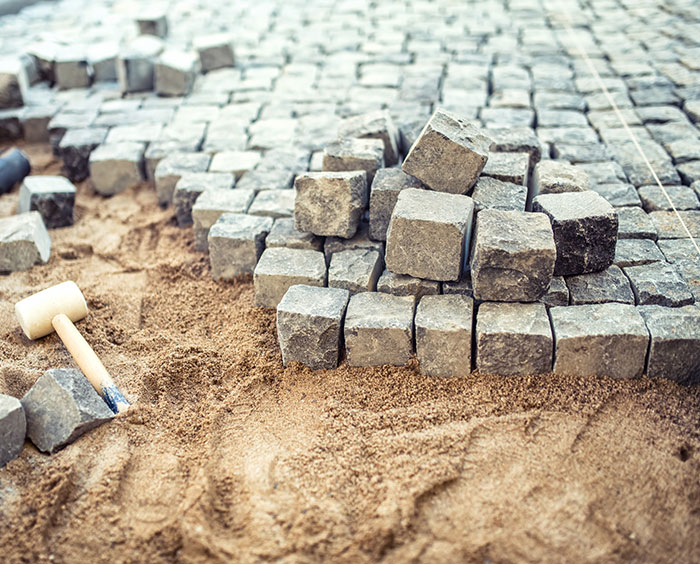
x=490, y=193
x=309, y=323
x=52, y=196
x=352, y=154
x=236, y=241
x=635, y=252
x=609, y=285
x=60, y=407
x=355, y=270
x=13, y=428
x=659, y=283
x=386, y=186
x=75, y=148
x=585, y=230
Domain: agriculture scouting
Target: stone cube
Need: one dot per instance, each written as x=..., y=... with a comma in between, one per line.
x=235, y=162
x=52, y=196
x=609, y=285
x=444, y=335
x=659, y=283
x=75, y=148
x=135, y=64
x=284, y=234
x=557, y=293
x=236, y=242
x=354, y=155
x=635, y=252
x=379, y=329
x=153, y=21
x=309, y=323
x=360, y=240
x=490, y=193
x=634, y=223
x=273, y=203
x=516, y=140
x=654, y=199
x=585, y=230
x=13, y=84
x=24, y=242
x=102, y=57
x=428, y=234
x=215, y=51
x=190, y=187
x=60, y=407
x=374, y=125
x=170, y=170
x=619, y=195
x=330, y=203
x=211, y=205
x=508, y=167
x=72, y=69
x=675, y=250
x=355, y=270
x=674, y=350
x=174, y=73
x=267, y=180
x=280, y=268
x=513, y=256
x=449, y=154
x=668, y=226
x=513, y=339
x=35, y=123
x=599, y=340
x=404, y=285
x=13, y=428
x=386, y=186
x=114, y=167
x=555, y=177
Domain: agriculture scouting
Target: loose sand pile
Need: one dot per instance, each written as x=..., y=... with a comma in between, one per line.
x=226, y=456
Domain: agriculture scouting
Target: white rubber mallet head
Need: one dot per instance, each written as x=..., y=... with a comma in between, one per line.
x=36, y=312
x=55, y=309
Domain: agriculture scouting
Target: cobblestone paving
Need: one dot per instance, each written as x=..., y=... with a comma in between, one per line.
x=517, y=68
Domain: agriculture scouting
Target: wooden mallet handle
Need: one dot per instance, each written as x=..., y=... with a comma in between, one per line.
x=89, y=363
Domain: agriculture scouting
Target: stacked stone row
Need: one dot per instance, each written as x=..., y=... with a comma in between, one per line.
x=426, y=219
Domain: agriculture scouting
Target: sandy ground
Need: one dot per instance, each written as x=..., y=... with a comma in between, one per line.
x=227, y=456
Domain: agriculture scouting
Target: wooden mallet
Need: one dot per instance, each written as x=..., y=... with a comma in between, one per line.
x=55, y=309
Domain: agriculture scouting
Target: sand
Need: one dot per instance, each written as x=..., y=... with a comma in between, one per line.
x=227, y=456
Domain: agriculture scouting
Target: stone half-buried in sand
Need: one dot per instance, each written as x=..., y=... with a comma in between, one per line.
x=449, y=154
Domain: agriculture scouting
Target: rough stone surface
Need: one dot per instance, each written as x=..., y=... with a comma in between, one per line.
x=513, y=256
x=443, y=326
x=508, y=167
x=599, y=340
x=355, y=270
x=518, y=140
x=284, y=234
x=190, y=187
x=676, y=250
x=13, y=428
x=585, y=230
x=513, y=339
x=674, y=350
x=309, y=323
x=60, y=407
x=635, y=252
x=236, y=241
x=52, y=196
x=75, y=148
x=379, y=329
x=609, y=285
x=634, y=223
x=279, y=268
x=330, y=203
x=170, y=170
x=273, y=203
x=449, y=154
x=490, y=193
x=462, y=286
x=557, y=293
x=215, y=51
x=386, y=186
x=374, y=125
x=353, y=155
x=659, y=283
x=404, y=285
x=428, y=233
x=135, y=69
x=668, y=227
x=555, y=177
x=211, y=205
x=114, y=167
x=174, y=73
x=360, y=240
x=654, y=199
x=619, y=195
x=24, y=242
